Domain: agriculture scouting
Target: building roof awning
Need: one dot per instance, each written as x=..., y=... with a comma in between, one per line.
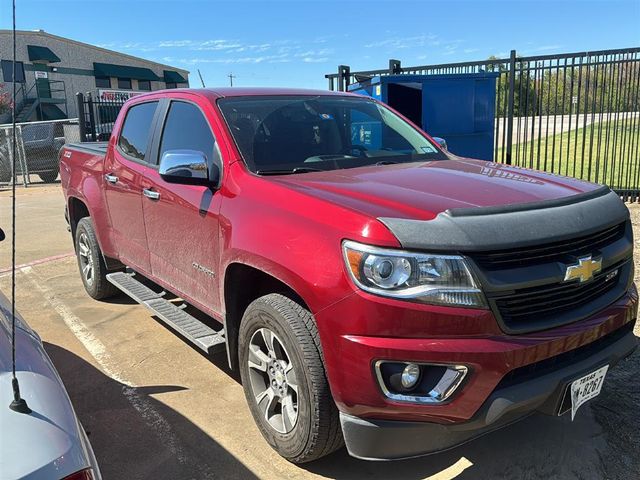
x=41, y=54
x=124, y=71
x=171, y=76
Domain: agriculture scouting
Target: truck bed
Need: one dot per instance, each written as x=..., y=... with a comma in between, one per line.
x=94, y=148
x=79, y=163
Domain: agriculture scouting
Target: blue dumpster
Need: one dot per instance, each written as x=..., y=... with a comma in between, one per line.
x=458, y=107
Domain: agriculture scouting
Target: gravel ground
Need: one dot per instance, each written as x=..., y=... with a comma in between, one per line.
x=620, y=457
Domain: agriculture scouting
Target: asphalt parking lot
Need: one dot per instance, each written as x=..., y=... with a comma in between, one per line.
x=156, y=408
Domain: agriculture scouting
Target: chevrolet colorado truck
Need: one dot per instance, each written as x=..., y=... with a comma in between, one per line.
x=371, y=288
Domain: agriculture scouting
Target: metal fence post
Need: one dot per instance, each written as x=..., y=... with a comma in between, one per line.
x=22, y=158
x=82, y=119
x=510, y=105
x=92, y=118
x=344, y=74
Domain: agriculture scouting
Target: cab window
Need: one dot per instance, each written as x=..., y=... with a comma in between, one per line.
x=186, y=128
x=136, y=130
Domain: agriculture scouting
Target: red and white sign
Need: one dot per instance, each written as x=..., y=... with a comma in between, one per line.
x=116, y=95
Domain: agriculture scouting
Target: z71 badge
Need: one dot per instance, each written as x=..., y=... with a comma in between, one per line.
x=204, y=270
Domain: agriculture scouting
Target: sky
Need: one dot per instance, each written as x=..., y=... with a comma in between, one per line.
x=295, y=43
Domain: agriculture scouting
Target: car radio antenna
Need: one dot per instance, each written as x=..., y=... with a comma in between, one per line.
x=18, y=404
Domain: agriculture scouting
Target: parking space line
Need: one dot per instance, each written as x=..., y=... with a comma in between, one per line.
x=98, y=351
x=40, y=261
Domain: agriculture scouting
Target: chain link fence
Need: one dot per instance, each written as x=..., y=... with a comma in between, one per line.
x=37, y=147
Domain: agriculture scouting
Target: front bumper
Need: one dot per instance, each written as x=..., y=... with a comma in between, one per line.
x=512, y=400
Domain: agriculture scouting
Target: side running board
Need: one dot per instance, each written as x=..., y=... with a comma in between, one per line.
x=198, y=333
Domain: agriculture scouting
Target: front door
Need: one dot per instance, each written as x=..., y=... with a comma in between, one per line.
x=43, y=87
x=182, y=220
x=124, y=170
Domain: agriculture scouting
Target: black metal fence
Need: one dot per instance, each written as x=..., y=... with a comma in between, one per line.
x=97, y=116
x=575, y=114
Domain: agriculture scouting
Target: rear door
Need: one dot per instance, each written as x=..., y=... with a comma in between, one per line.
x=182, y=221
x=125, y=167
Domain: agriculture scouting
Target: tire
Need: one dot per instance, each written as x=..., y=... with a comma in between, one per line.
x=93, y=270
x=316, y=431
x=49, y=177
x=5, y=166
x=5, y=176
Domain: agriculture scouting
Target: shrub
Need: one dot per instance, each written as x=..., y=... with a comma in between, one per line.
x=5, y=100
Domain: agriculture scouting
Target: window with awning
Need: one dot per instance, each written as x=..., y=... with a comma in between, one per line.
x=41, y=54
x=171, y=76
x=124, y=71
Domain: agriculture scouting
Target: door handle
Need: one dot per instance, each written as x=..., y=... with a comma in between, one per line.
x=111, y=178
x=151, y=194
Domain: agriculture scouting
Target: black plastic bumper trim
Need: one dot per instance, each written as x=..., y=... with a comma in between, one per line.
x=394, y=440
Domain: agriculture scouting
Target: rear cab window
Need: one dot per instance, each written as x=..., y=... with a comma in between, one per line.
x=136, y=130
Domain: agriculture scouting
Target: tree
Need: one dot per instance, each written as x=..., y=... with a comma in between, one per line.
x=5, y=100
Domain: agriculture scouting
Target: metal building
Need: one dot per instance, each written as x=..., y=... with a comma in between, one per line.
x=52, y=69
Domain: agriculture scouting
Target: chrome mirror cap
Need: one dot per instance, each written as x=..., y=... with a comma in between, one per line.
x=442, y=143
x=184, y=166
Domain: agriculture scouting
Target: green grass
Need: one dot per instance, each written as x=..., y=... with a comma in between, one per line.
x=611, y=156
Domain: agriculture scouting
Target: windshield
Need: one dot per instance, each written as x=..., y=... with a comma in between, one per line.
x=290, y=134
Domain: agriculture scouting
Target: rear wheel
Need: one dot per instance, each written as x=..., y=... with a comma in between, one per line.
x=5, y=167
x=49, y=177
x=93, y=270
x=284, y=379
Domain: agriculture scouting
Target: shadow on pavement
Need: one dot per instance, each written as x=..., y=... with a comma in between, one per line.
x=539, y=447
x=117, y=419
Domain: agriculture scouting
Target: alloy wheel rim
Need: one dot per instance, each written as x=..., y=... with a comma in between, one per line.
x=86, y=259
x=273, y=380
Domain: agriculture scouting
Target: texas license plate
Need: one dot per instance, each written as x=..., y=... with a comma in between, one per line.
x=586, y=388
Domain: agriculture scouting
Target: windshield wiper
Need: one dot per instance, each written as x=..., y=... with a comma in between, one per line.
x=286, y=172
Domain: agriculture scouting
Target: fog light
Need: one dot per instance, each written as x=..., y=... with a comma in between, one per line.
x=410, y=375
x=419, y=382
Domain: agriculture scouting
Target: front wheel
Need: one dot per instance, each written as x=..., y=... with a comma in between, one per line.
x=93, y=270
x=284, y=379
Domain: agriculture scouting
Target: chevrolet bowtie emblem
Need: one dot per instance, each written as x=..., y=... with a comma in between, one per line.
x=586, y=268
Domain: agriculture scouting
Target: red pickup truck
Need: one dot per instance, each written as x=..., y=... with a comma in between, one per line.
x=370, y=287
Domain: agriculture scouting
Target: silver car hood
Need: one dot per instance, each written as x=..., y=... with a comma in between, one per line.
x=49, y=443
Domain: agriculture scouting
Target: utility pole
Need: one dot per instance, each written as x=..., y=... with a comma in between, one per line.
x=231, y=77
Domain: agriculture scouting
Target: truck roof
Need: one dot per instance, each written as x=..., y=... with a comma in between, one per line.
x=250, y=91
x=212, y=94
x=221, y=92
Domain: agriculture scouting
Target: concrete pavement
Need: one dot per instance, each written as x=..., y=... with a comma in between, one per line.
x=157, y=408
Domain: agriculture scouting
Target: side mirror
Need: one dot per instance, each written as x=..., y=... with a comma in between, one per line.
x=188, y=167
x=442, y=142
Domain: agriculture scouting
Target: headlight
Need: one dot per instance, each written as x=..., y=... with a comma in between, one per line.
x=436, y=279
